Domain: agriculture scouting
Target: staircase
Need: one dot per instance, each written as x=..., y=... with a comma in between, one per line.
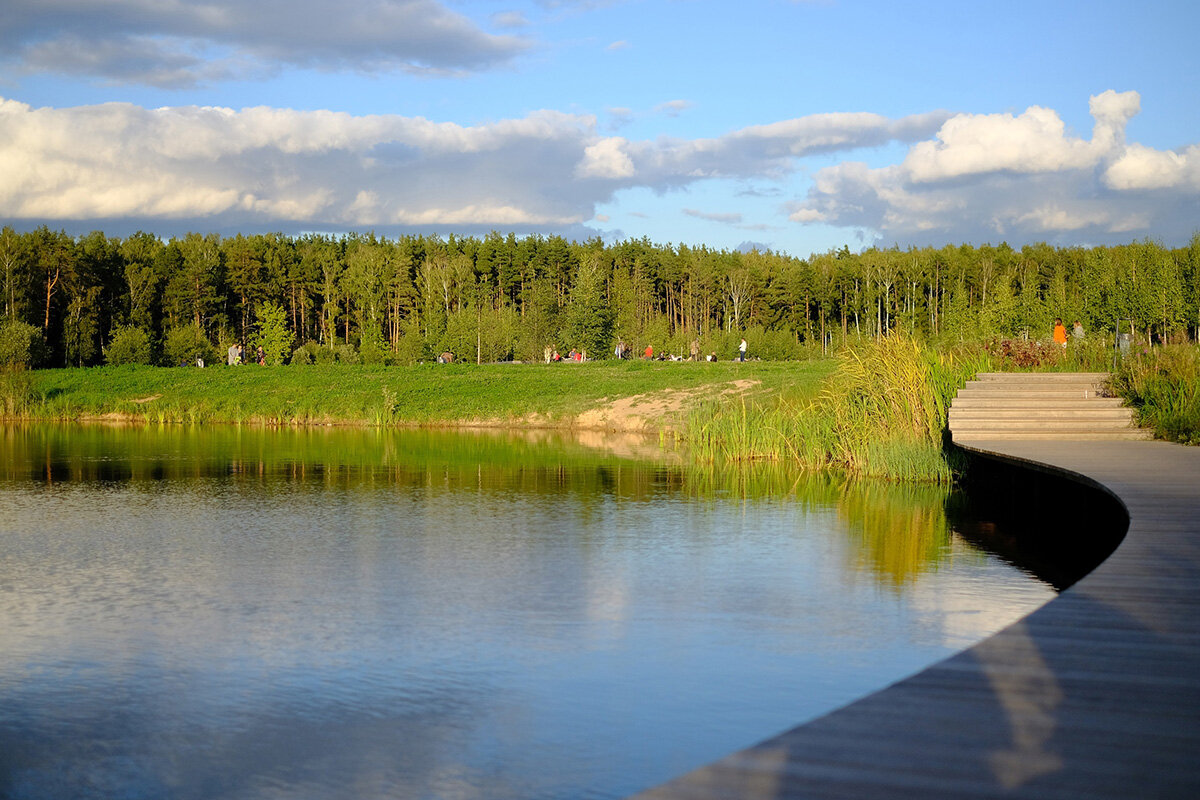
x=1059, y=406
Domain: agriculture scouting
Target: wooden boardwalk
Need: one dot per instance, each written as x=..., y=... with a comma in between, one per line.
x=1094, y=695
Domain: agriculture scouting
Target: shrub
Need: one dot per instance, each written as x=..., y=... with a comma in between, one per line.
x=1024, y=354
x=272, y=333
x=130, y=345
x=373, y=349
x=185, y=344
x=20, y=344
x=1163, y=384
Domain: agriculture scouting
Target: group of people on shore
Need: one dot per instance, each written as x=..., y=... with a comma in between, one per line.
x=237, y=355
x=624, y=351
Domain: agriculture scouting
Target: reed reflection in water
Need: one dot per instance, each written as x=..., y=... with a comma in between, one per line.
x=345, y=613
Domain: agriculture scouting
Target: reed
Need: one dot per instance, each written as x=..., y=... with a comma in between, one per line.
x=1163, y=385
x=881, y=413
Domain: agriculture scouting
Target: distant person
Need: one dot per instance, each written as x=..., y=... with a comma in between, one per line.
x=695, y=356
x=649, y=351
x=742, y=351
x=446, y=358
x=262, y=357
x=1060, y=332
x=548, y=354
x=1077, y=331
x=200, y=362
x=235, y=355
x=557, y=356
x=619, y=352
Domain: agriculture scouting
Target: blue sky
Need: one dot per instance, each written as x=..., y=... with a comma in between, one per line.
x=794, y=126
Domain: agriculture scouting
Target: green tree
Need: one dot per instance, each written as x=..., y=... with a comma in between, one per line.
x=589, y=320
x=185, y=344
x=14, y=271
x=20, y=343
x=272, y=333
x=194, y=291
x=130, y=345
x=142, y=279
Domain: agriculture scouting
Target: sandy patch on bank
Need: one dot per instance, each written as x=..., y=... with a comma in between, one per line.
x=663, y=410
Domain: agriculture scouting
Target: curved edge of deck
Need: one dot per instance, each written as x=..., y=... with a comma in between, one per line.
x=1095, y=694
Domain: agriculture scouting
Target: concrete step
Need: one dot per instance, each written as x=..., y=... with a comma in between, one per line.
x=1042, y=377
x=1095, y=415
x=1037, y=402
x=1054, y=424
x=1038, y=434
x=1017, y=387
x=1046, y=405
x=1032, y=395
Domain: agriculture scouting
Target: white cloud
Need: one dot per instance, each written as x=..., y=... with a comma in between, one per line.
x=510, y=19
x=978, y=144
x=727, y=218
x=606, y=159
x=272, y=167
x=180, y=44
x=1017, y=177
x=1145, y=168
x=673, y=108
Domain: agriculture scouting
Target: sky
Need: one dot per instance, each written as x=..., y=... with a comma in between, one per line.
x=797, y=126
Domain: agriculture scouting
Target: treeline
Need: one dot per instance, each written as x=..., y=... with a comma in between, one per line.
x=94, y=299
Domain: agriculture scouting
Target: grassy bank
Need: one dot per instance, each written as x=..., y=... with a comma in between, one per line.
x=879, y=409
x=449, y=394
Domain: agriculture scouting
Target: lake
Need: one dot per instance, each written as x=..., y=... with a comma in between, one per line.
x=224, y=612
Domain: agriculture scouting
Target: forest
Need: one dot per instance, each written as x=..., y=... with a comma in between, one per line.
x=95, y=299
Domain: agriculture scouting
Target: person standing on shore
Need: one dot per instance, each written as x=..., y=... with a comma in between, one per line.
x=742, y=351
x=1077, y=331
x=1060, y=332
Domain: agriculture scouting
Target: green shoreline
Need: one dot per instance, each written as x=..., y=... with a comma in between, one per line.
x=875, y=411
x=489, y=395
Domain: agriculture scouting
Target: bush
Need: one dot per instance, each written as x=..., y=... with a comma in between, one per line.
x=129, y=345
x=20, y=344
x=412, y=348
x=272, y=333
x=1018, y=354
x=185, y=344
x=1163, y=384
x=373, y=349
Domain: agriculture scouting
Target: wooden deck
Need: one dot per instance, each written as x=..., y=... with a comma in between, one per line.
x=1094, y=695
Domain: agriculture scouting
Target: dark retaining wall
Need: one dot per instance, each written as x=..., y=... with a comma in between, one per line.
x=1056, y=527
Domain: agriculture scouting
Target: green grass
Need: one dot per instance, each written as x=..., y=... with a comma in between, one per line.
x=418, y=395
x=1163, y=385
x=882, y=412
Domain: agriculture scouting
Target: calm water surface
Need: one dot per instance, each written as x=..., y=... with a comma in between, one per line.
x=224, y=613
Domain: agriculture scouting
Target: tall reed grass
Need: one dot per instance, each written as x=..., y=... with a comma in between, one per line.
x=1163, y=385
x=881, y=413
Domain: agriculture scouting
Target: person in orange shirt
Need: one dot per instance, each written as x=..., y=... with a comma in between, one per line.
x=649, y=351
x=1060, y=332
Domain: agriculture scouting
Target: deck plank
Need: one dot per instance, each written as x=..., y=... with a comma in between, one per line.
x=1096, y=694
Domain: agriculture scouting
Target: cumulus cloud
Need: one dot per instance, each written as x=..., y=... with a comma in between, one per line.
x=987, y=177
x=673, y=108
x=726, y=218
x=176, y=44
x=270, y=167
